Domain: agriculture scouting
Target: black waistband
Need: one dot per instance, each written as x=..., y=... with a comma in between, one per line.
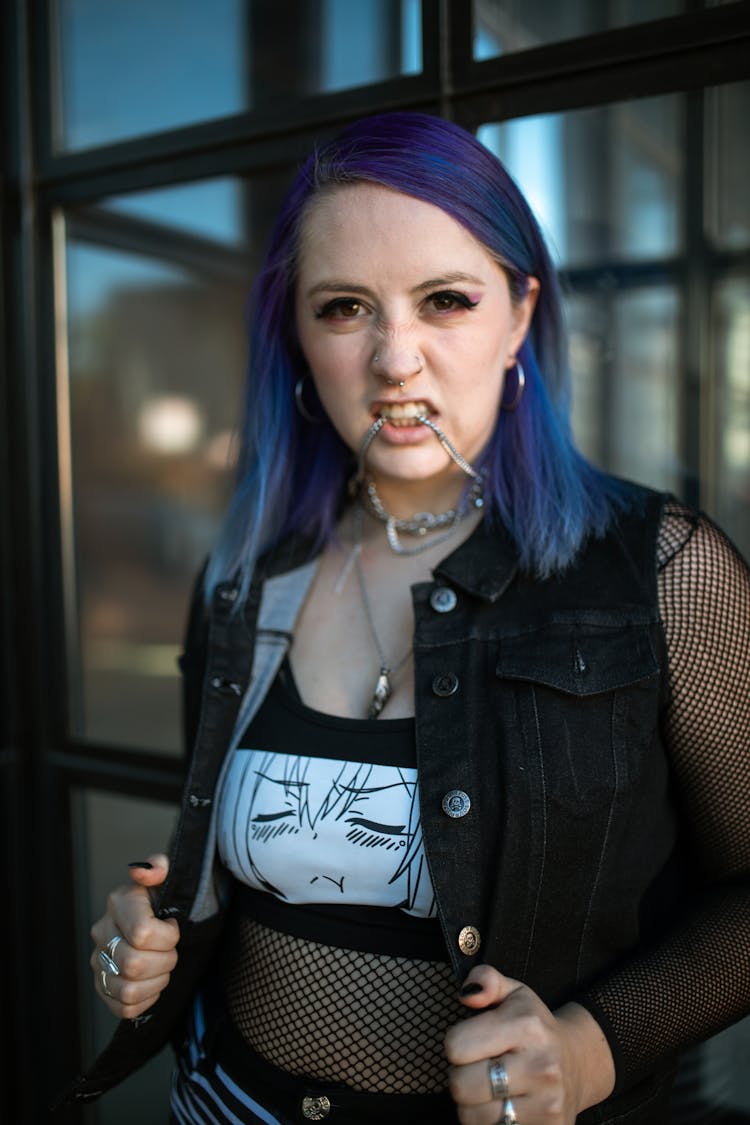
x=291, y=1094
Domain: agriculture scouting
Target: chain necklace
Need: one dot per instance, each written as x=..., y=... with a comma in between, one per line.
x=384, y=683
x=422, y=522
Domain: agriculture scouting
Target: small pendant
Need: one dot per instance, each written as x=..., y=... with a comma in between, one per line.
x=381, y=695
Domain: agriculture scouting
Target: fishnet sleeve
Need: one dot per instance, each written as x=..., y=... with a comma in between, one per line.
x=696, y=980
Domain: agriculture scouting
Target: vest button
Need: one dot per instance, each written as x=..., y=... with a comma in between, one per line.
x=315, y=1109
x=456, y=803
x=445, y=684
x=443, y=599
x=469, y=940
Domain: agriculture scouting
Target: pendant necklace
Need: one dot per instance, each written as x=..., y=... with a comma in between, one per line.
x=384, y=683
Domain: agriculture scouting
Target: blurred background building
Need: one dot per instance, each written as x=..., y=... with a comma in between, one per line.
x=144, y=149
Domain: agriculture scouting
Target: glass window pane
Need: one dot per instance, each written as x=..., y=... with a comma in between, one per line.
x=732, y=334
x=211, y=209
x=129, y=69
x=155, y=359
x=606, y=183
x=504, y=26
x=623, y=349
x=109, y=832
x=728, y=166
x=369, y=42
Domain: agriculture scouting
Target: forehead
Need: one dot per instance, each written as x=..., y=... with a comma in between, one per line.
x=368, y=222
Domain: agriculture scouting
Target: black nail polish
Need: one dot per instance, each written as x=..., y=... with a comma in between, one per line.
x=142, y=863
x=473, y=988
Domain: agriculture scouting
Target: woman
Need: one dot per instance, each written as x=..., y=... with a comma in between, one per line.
x=463, y=836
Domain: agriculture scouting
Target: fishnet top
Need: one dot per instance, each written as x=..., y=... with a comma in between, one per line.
x=696, y=980
x=334, y=1013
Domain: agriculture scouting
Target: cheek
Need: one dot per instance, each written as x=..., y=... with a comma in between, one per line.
x=340, y=389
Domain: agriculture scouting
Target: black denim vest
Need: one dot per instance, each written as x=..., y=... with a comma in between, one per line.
x=539, y=703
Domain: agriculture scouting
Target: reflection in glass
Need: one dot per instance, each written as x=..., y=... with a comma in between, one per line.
x=155, y=360
x=728, y=166
x=156, y=353
x=109, y=832
x=368, y=42
x=623, y=348
x=605, y=183
x=209, y=209
x=129, y=69
x=504, y=26
x=732, y=333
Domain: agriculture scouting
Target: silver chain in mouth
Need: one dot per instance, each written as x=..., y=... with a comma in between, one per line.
x=421, y=522
x=449, y=448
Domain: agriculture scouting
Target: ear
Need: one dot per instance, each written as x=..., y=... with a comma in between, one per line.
x=523, y=312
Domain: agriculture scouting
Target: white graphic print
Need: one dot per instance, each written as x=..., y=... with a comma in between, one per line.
x=323, y=830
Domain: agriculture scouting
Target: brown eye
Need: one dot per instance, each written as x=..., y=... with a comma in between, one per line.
x=346, y=308
x=349, y=308
x=449, y=301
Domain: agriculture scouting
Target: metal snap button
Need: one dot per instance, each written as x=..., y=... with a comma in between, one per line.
x=315, y=1109
x=445, y=684
x=443, y=599
x=226, y=687
x=456, y=803
x=469, y=940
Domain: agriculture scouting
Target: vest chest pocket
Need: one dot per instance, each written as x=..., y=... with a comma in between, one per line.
x=586, y=701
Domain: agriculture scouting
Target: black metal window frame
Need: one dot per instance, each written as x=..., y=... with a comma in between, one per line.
x=40, y=764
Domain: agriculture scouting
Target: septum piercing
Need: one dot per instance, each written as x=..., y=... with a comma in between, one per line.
x=400, y=383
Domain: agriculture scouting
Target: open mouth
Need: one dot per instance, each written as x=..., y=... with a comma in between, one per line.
x=403, y=413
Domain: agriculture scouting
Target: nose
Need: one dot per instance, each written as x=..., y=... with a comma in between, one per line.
x=397, y=363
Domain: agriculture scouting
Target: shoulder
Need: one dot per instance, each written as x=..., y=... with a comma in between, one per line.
x=695, y=552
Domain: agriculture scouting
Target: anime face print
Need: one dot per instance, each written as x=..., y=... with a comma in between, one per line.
x=326, y=831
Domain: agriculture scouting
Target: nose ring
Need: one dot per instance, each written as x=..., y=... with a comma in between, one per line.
x=401, y=383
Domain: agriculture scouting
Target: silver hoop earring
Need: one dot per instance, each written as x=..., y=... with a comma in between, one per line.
x=509, y=407
x=299, y=403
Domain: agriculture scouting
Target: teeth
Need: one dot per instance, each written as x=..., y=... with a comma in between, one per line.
x=402, y=413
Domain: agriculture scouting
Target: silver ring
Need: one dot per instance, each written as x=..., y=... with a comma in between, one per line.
x=509, y=1113
x=112, y=945
x=107, y=964
x=105, y=990
x=498, y=1079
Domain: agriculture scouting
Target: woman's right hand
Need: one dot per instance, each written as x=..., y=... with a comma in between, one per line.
x=146, y=953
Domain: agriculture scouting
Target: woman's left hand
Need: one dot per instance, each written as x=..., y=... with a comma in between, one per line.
x=557, y=1064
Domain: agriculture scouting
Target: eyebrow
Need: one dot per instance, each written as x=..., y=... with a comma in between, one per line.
x=335, y=285
x=456, y=278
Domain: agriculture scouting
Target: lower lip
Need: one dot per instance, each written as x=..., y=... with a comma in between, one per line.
x=405, y=435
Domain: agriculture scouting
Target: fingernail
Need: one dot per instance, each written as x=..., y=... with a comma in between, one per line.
x=142, y=863
x=470, y=989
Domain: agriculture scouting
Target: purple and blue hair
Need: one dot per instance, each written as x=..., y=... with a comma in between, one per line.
x=292, y=473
